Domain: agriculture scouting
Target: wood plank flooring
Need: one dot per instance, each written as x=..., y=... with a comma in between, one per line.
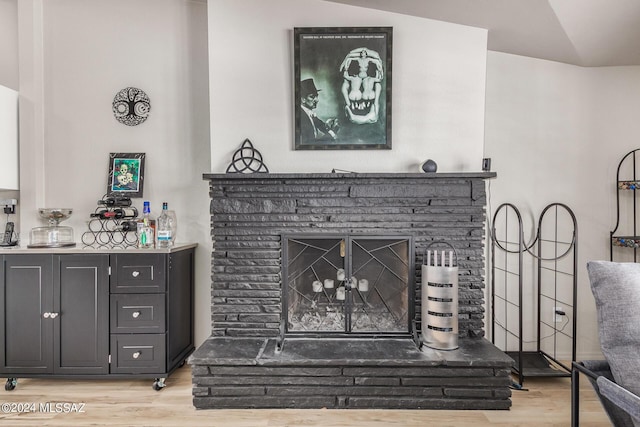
x=545, y=402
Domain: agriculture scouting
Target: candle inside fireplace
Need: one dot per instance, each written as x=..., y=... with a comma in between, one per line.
x=317, y=286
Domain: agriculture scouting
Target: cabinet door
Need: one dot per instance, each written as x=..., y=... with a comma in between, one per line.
x=81, y=329
x=26, y=299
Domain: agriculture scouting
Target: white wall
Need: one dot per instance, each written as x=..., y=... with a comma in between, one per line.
x=8, y=64
x=438, y=87
x=9, y=44
x=555, y=133
x=90, y=50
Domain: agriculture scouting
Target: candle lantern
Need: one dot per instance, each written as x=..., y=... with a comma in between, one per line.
x=328, y=283
x=440, y=299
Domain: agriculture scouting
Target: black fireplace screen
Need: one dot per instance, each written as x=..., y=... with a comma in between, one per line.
x=348, y=284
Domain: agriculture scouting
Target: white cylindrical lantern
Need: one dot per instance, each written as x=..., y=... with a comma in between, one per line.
x=328, y=283
x=340, y=275
x=340, y=293
x=363, y=285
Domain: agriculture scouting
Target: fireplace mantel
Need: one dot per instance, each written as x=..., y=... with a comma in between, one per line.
x=350, y=175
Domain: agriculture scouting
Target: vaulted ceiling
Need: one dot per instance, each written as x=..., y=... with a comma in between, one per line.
x=581, y=32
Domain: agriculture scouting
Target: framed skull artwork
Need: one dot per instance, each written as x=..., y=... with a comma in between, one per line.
x=126, y=174
x=342, y=88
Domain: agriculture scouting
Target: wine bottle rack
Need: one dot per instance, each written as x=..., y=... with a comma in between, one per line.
x=105, y=234
x=108, y=233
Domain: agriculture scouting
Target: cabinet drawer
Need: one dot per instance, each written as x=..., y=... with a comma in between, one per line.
x=141, y=353
x=138, y=313
x=138, y=273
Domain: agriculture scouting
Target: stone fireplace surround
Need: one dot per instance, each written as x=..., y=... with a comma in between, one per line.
x=240, y=365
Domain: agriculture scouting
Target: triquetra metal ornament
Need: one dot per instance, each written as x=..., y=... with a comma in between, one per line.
x=247, y=160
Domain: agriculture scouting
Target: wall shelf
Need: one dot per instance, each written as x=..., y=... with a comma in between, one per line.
x=626, y=232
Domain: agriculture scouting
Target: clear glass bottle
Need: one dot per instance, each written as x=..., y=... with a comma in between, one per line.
x=146, y=238
x=166, y=227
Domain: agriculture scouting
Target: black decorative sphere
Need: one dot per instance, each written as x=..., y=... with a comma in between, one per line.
x=429, y=166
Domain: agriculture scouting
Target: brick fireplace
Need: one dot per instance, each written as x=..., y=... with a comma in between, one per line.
x=258, y=356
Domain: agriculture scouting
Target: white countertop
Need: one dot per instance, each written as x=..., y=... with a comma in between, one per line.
x=79, y=249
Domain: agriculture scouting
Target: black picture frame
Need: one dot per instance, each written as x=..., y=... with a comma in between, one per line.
x=126, y=174
x=349, y=69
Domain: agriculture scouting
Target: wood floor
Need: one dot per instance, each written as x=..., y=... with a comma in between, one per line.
x=546, y=402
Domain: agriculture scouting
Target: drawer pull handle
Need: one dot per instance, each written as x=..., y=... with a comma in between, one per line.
x=54, y=315
x=136, y=354
x=135, y=314
x=135, y=273
x=46, y=315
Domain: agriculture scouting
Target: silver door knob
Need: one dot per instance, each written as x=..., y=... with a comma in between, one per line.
x=54, y=315
x=46, y=315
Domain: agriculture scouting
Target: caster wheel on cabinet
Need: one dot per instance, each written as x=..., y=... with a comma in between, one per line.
x=10, y=384
x=158, y=384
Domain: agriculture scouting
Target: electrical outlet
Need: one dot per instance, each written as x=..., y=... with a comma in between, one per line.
x=558, y=312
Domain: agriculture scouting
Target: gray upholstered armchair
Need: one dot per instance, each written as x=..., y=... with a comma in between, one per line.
x=616, y=288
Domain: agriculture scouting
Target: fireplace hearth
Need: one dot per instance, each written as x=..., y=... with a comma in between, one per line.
x=316, y=293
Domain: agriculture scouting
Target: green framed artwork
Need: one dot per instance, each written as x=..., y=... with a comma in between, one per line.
x=126, y=174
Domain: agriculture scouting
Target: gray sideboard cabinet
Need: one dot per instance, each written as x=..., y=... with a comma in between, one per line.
x=92, y=314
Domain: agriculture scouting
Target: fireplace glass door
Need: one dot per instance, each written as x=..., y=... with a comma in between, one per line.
x=348, y=284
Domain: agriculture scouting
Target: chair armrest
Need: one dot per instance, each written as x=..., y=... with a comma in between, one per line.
x=619, y=404
x=623, y=398
x=579, y=366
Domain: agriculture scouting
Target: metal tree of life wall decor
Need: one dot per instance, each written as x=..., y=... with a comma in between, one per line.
x=131, y=106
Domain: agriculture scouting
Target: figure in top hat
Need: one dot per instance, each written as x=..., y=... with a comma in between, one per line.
x=312, y=128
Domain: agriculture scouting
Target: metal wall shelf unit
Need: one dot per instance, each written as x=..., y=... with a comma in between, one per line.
x=626, y=233
x=555, y=259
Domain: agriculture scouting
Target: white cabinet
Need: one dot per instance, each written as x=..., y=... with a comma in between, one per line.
x=8, y=138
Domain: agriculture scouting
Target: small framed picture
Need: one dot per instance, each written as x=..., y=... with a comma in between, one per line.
x=126, y=174
x=342, y=88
